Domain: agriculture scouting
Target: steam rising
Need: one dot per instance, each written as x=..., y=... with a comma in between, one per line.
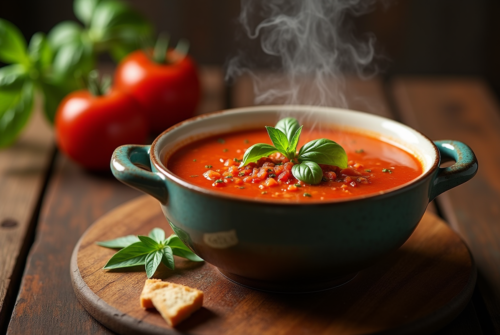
x=311, y=44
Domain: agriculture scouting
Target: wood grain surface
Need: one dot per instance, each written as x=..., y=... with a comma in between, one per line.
x=416, y=290
x=23, y=171
x=464, y=109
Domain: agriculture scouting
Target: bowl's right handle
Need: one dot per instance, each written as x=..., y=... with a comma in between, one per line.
x=464, y=169
x=124, y=167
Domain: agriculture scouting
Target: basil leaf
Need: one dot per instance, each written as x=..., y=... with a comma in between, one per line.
x=40, y=51
x=168, y=258
x=187, y=254
x=288, y=126
x=84, y=9
x=324, y=151
x=12, y=44
x=12, y=77
x=134, y=254
x=157, y=234
x=72, y=57
x=64, y=33
x=149, y=242
x=153, y=260
x=8, y=98
x=15, y=114
x=116, y=19
x=308, y=172
x=292, y=148
x=120, y=242
x=175, y=243
x=279, y=140
x=53, y=95
x=256, y=152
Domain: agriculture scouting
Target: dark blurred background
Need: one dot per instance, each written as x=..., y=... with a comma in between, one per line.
x=437, y=37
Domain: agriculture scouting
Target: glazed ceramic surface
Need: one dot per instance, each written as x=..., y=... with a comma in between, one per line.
x=255, y=241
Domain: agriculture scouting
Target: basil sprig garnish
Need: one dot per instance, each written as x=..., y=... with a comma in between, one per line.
x=149, y=251
x=285, y=137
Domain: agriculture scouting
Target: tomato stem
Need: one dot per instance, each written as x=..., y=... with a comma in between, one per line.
x=96, y=87
x=160, y=49
x=182, y=47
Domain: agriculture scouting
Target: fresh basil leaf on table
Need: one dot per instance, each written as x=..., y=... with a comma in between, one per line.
x=308, y=172
x=157, y=234
x=324, y=151
x=149, y=242
x=134, y=254
x=120, y=242
x=153, y=260
x=149, y=251
x=168, y=257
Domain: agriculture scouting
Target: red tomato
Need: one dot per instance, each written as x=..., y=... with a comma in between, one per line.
x=89, y=128
x=168, y=93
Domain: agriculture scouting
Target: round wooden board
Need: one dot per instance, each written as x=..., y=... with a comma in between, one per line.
x=417, y=289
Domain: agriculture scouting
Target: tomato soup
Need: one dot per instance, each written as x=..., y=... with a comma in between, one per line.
x=213, y=163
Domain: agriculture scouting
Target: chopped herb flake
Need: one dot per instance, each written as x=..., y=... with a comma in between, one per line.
x=237, y=160
x=208, y=166
x=241, y=187
x=368, y=170
x=359, y=151
x=241, y=174
x=221, y=140
x=307, y=195
x=194, y=175
x=229, y=177
x=272, y=175
x=246, y=141
x=225, y=150
x=386, y=171
x=298, y=185
x=218, y=181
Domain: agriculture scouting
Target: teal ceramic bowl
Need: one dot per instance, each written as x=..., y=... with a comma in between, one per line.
x=279, y=246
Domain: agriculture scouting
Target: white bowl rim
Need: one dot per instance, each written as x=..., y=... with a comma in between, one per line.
x=384, y=194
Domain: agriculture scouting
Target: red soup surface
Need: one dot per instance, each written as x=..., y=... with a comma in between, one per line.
x=212, y=163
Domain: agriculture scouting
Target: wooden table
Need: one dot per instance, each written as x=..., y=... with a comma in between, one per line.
x=47, y=202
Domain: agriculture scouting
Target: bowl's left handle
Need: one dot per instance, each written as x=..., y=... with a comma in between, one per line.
x=124, y=165
x=464, y=169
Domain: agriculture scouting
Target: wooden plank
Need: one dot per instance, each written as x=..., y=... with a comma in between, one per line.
x=23, y=170
x=464, y=109
x=75, y=198
x=46, y=303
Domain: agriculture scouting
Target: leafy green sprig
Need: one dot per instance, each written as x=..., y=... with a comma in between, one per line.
x=285, y=137
x=57, y=64
x=149, y=251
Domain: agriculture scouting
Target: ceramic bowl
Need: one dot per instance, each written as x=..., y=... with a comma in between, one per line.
x=279, y=246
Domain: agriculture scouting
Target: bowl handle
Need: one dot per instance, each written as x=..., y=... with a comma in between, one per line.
x=464, y=169
x=124, y=167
